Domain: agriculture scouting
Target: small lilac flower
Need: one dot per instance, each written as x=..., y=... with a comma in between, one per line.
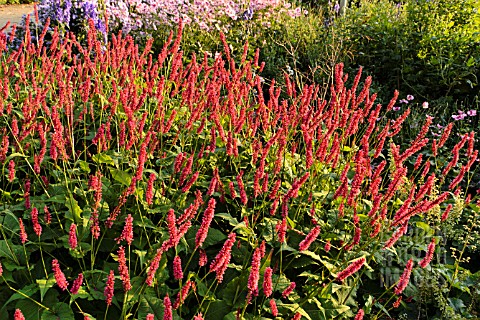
x=403, y=101
x=472, y=113
x=336, y=7
x=425, y=105
x=410, y=97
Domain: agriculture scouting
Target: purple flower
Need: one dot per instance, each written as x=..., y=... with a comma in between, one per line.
x=472, y=113
x=248, y=14
x=336, y=7
x=403, y=101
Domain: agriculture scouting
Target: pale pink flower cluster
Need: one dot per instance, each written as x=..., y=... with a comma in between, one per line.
x=138, y=15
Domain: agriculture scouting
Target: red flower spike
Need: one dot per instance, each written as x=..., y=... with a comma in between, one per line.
x=202, y=260
x=167, y=313
x=123, y=269
x=72, y=237
x=23, y=234
x=109, y=286
x=221, y=261
x=177, y=268
x=404, y=278
x=273, y=308
x=59, y=276
x=359, y=315
x=351, y=269
x=267, y=282
x=428, y=258
x=289, y=289
x=207, y=219
x=18, y=315
x=77, y=283
x=309, y=239
x=127, y=233
x=254, y=272
x=154, y=264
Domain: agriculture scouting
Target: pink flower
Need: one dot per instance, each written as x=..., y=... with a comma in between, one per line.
x=396, y=108
x=297, y=316
x=425, y=105
x=404, y=278
x=410, y=97
x=47, y=216
x=202, y=259
x=59, y=276
x=123, y=269
x=311, y=236
x=11, y=170
x=351, y=269
x=177, y=268
x=472, y=113
x=18, y=315
x=182, y=294
x=127, y=233
x=289, y=289
x=206, y=220
x=428, y=258
x=23, y=234
x=72, y=238
x=1, y=269
x=359, y=315
x=76, y=284
x=167, y=313
x=273, y=308
x=254, y=272
x=154, y=264
x=108, y=292
x=267, y=282
x=198, y=317
x=328, y=246
x=221, y=261
x=149, y=193
x=37, y=228
x=150, y=316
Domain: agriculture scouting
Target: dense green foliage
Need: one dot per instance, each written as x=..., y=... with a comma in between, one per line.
x=180, y=177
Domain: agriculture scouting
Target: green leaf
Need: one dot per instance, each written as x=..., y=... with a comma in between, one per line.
x=74, y=211
x=217, y=310
x=150, y=304
x=295, y=307
x=103, y=158
x=30, y=310
x=59, y=311
x=84, y=166
x=121, y=176
x=27, y=291
x=44, y=285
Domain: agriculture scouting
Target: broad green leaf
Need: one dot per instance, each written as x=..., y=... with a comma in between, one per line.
x=217, y=310
x=30, y=310
x=27, y=291
x=74, y=211
x=84, y=166
x=295, y=307
x=103, y=158
x=59, y=311
x=121, y=176
x=150, y=304
x=44, y=285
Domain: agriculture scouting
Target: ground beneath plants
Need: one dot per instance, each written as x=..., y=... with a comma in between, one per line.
x=14, y=13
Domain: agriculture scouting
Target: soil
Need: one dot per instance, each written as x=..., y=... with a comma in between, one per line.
x=14, y=13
